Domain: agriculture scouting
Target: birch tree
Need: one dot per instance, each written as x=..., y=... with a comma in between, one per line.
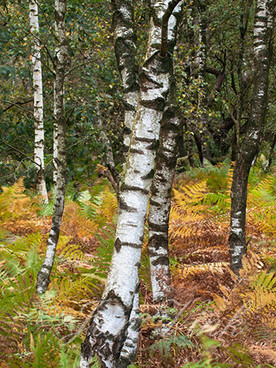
x=38, y=102
x=160, y=204
x=160, y=198
x=264, y=15
x=109, y=325
x=61, y=55
x=125, y=52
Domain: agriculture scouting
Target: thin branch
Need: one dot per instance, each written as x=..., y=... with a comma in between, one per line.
x=79, y=66
x=21, y=153
x=43, y=45
x=17, y=103
x=106, y=172
x=213, y=71
x=164, y=30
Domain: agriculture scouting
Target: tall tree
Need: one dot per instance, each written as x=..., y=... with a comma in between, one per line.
x=160, y=196
x=160, y=204
x=109, y=325
x=264, y=18
x=38, y=102
x=61, y=56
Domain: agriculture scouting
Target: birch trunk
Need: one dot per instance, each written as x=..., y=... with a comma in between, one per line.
x=125, y=52
x=251, y=143
x=38, y=102
x=61, y=55
x=160, y=204
x=201, y=130
x=160, y=200
x=109, y=325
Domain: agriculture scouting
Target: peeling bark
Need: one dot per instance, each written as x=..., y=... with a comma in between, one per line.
x=38, y=102
x=108, y=332
x=251, y=143
x=43, y=277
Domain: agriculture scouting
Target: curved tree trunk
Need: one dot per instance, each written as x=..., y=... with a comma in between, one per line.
x=109, y=326
x=38, y=103
x=61, y=54
x=251, y=143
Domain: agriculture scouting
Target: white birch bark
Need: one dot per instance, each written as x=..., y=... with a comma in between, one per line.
x=160, y=204
x=125, y=52
x=108, y=330
x=160, y=200
x=265, y=14
x=38, y=102
x=43, y=277
x=201, y=130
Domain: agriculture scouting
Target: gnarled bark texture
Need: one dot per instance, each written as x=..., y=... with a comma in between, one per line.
x=249, y=149
x=43, y=277
x=109, y=330
x=38, y=102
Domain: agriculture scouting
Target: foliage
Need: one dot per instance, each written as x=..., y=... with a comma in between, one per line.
x=163, y=346
x=217, y=319
x=38, y=331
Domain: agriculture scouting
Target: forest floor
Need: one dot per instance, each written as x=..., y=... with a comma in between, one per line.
x=216, y=319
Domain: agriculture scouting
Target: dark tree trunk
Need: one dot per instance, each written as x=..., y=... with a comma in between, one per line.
x=251, y=143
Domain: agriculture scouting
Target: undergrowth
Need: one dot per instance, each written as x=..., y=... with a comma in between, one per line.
x=217, y=320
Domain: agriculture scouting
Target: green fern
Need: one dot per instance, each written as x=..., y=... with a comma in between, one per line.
x=163, y=346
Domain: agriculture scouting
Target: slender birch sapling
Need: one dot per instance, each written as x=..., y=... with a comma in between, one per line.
x=61, y=55
x=38, y=102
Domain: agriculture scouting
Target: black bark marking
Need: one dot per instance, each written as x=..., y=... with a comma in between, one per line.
x=149, y=175
x=143, y=139
x=154, y=203
x=157, y=104
x=105, y=344
x=125, y=207
x=134, y=189
x=135, y=150
x=153, y=146
x=158, y=241
x=117, y=245
x=127, y=130
x=163, y=260
x=132, y=245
